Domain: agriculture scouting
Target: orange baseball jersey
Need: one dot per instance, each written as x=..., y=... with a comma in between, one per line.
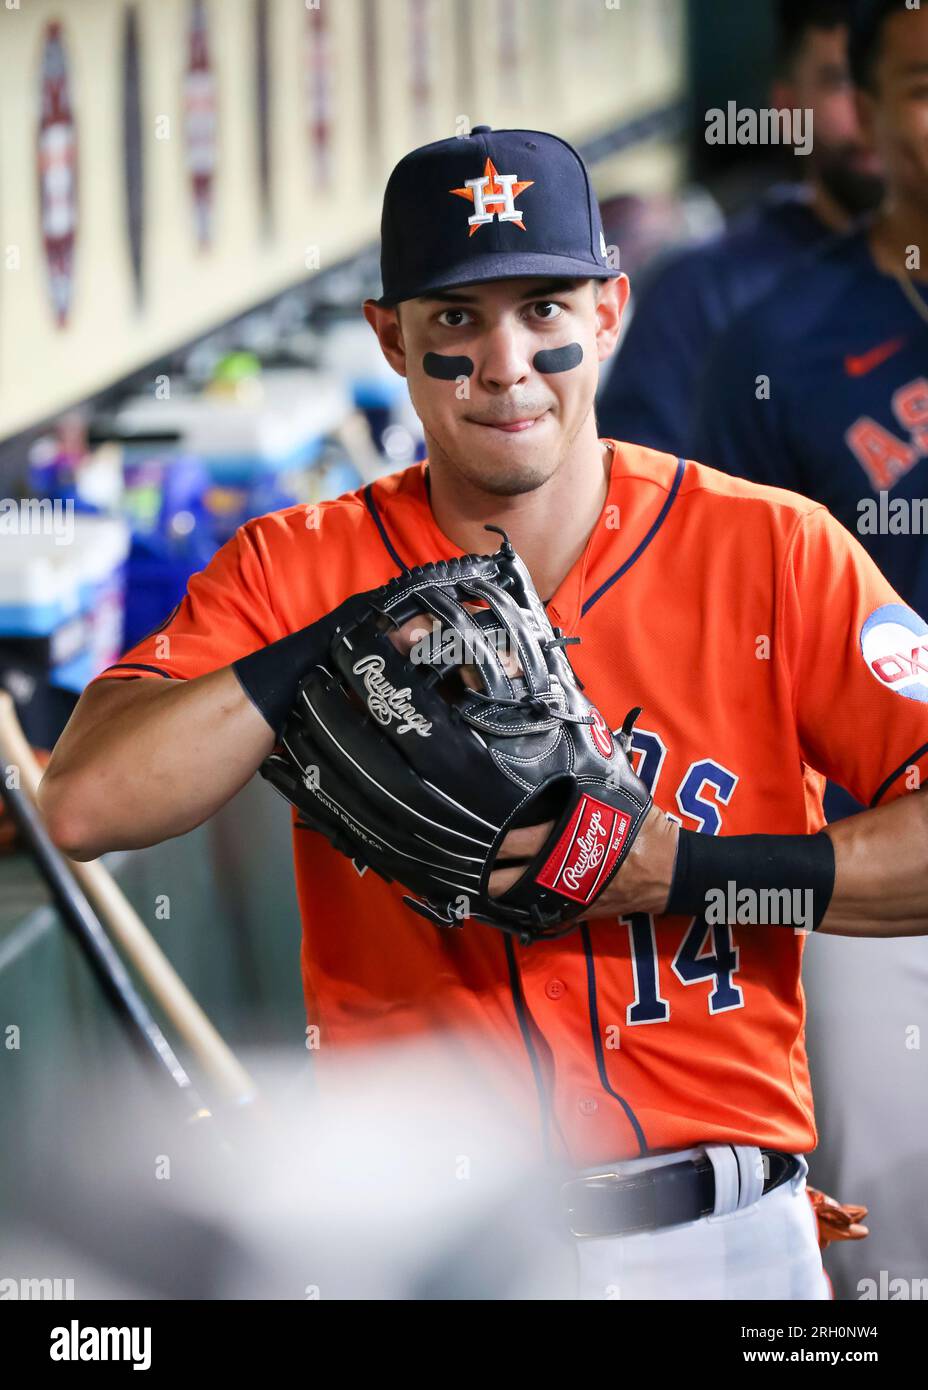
x=767, y=652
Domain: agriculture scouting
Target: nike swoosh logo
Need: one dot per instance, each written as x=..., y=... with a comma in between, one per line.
x=868, y=361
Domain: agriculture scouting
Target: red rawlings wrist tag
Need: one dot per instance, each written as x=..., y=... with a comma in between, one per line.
x=586, y=852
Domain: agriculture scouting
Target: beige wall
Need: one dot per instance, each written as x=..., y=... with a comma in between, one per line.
x=585, y=65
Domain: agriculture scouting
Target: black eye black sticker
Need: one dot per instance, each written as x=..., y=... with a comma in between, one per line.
x=444, y=368
x=558, y=359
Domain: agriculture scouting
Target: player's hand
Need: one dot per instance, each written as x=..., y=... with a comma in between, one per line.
x=423, y=627
x=641, y=885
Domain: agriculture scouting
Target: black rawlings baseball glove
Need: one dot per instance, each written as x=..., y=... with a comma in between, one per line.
x=419, y=762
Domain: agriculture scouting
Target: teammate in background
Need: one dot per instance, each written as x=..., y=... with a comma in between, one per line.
x=820, y=387
x=661, y=1042
x=649, y=397
x=843, y=343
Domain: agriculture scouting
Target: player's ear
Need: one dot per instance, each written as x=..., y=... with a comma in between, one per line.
x=386, y=324
x=610, y=302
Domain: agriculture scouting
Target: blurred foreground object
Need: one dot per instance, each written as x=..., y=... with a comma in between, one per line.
x=394, y=1185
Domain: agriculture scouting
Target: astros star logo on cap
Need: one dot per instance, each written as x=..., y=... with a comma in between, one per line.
x=493, y=190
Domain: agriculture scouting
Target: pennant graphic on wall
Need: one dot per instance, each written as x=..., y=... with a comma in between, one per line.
x=319, y=94
x=57, y=168
x=200, y=121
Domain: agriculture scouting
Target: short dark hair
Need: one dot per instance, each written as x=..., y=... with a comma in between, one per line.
x=866, y=32
x=796, y=17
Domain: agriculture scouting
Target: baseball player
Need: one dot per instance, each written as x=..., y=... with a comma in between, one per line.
x=656, y=1049
x=820, y=386
x=650, y=395
x=842, y=345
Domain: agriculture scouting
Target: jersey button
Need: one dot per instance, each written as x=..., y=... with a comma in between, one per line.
x=555, y=989
x=588, y=1105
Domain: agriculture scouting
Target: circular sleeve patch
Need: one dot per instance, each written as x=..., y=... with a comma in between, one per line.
x=894, y=643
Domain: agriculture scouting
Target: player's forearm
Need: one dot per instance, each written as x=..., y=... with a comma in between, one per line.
x=139, y=766
x=864, y=876
x=132, y=771
x=881, y=871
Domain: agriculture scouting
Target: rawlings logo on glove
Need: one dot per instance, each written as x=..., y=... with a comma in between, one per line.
x=587, y=850
x=385, y=702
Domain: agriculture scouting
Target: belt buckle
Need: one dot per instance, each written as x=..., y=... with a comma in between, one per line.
x=583, y=1182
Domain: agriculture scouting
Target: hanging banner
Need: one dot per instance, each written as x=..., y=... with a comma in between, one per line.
x=57, y=170
x=510, y=41
x=132, y=150
x=263, y=112
x=464, y=55
x=319, y=94
x=200, y=122
x=420, y=68
x=371, y=93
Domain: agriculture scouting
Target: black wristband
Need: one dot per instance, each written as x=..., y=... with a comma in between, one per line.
x=270, y=677
x=743, y=878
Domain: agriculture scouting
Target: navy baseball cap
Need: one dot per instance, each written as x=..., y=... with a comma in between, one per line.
x=487, y=206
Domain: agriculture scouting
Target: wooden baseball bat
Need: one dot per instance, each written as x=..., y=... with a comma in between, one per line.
x=127, y=928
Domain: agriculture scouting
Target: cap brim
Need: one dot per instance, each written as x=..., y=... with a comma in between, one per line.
x=478, y=270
